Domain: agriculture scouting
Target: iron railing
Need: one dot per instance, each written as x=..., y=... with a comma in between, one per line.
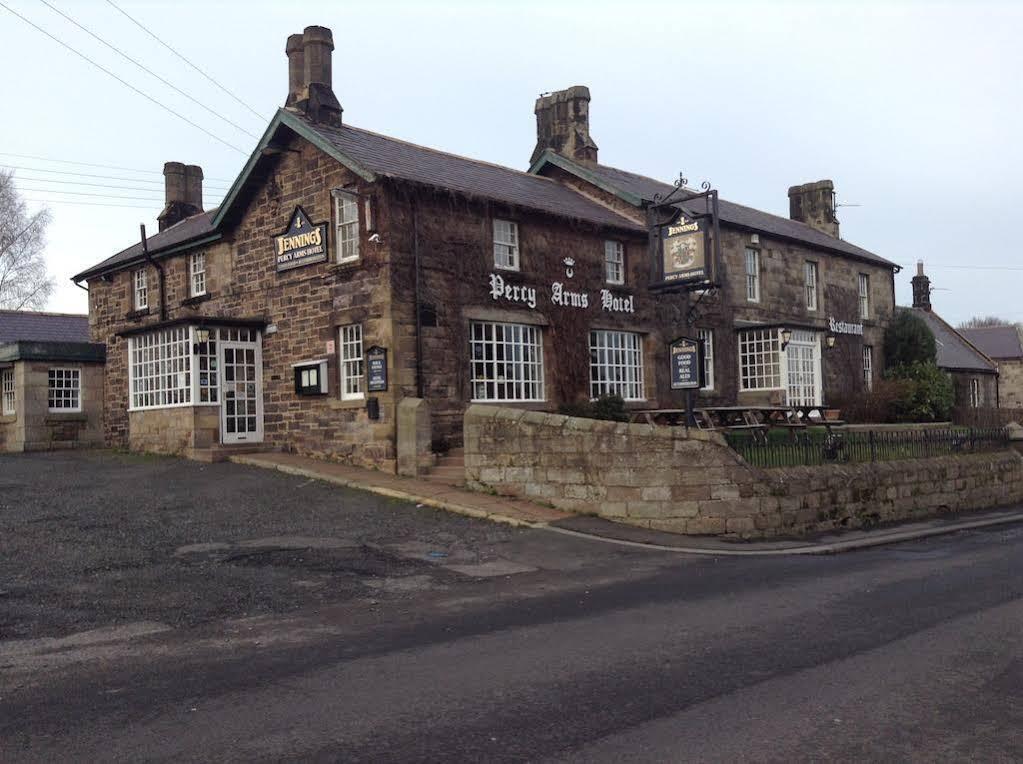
x=815, y=447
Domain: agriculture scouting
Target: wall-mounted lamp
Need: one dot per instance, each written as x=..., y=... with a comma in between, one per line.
x=786, y=338
x=202, y=335
x=829, y=341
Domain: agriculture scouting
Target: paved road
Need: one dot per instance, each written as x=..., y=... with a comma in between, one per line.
x=577, y=652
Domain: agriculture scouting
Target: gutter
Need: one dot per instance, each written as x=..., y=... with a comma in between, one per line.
x=159, y=270
x=161, y=253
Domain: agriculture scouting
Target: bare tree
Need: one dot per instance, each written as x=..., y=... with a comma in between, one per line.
x=24, y=281
x=978, y=322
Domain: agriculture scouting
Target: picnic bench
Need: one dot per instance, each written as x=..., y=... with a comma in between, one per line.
x=754, y=419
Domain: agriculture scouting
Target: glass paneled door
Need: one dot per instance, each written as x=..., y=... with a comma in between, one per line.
x=241, y=400
x=803, y=369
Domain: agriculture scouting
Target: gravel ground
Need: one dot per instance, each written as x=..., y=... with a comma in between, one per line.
x=97, y=538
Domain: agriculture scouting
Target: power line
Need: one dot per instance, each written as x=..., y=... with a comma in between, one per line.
x=88, y=204
x=91, y=175
x=149, y=71
x=155, y=200
x=122, y=81
x=168, y=47
x=20, y=178
x=91, y=164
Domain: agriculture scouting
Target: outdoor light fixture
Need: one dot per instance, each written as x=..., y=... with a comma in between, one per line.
x=786, y=338
x=202, y=335
x=829, y=341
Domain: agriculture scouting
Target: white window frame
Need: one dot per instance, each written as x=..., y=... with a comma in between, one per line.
x=506, y=245
x=346, y=226
x=614, y=262
x=197, y=274
x=351, y=362
x=810, y=280
x=763, y=346
x=974, y=392
x=707, y=335
x=864, y=293
x=752, y=275
x=160, y=369
x=9, y=403
x=64, y=394
x=616, y=364
x=802, y=369
x=140, y=283
x=495, y=349
x=868, y=367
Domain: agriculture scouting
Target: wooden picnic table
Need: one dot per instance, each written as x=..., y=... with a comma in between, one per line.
x=755, y=419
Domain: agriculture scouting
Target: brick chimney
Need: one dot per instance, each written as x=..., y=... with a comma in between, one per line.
x=563, y=124
x=814, y=204
x=182, y=193
x=310, y=76
x=921, y=288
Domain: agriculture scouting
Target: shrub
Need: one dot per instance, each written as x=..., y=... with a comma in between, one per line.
x=878, y=405
x=908, y=340
x=609, y=407
x=929, y=394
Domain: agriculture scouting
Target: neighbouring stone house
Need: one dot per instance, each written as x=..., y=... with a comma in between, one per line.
x=1004, y=346
x=51, y=382
x=974, y=374
x=347, y=270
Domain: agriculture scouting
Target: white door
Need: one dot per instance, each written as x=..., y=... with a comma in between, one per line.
x=241, y=388
x=803, y=369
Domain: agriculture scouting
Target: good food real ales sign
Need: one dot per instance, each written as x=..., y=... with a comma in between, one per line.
x=683, y=252
x=685, y=364
x=301, y=244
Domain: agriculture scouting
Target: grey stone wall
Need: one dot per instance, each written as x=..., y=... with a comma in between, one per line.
x=664, y=478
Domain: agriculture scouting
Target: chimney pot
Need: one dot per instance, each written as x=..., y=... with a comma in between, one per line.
x=295, y=50
x=563, y=125
x=814, y=204
x=182, y=193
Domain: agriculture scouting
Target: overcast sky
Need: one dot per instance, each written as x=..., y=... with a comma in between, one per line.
x=913, y=109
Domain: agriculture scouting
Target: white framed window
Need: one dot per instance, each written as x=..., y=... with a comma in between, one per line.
x=506, y=362
x=868, y=367
x=707, y=336
x=864, y=295
x=506, y=245
x=346, y=216
x=760, y=365
x=752, y=275
x=974, y=393
x=197, y=274
x=160, y=368
x=810, y=280
x=802, y=369
x=64, y=390
x=7, y=388
x=207, y=368
x=616, y=364
x=614, y=262
x=351, y=362
x=141, y=289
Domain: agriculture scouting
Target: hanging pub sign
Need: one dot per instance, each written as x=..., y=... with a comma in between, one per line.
x=683, y=252
x=302, y=243
x=686, y=365
x=376, y=369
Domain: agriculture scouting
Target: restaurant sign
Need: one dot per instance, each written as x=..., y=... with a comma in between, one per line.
x=683, y=252
x=685, y=364
x=302, y=243
x=843, y=327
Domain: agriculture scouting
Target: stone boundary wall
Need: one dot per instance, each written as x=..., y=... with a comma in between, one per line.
x=664, y=478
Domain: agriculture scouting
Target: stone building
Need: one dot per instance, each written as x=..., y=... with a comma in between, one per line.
x=1003, y=345
x=346, y=271
x=974, y=374
x=51, y=382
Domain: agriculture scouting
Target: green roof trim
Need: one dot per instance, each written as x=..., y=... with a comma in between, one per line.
x=551, y=157
x=289, y=120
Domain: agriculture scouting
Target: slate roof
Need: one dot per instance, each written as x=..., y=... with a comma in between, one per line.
x=1002, y=342
x=644, y=188
x=393, y=158
x=954, y=351
x=31, y=326
x=193, y=228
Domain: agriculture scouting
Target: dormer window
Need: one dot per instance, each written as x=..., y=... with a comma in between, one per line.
x=346, y=217
x=506, y=245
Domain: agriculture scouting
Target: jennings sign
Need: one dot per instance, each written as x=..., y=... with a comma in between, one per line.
x=301, y=244
x=685, y=364
x=683, y=252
